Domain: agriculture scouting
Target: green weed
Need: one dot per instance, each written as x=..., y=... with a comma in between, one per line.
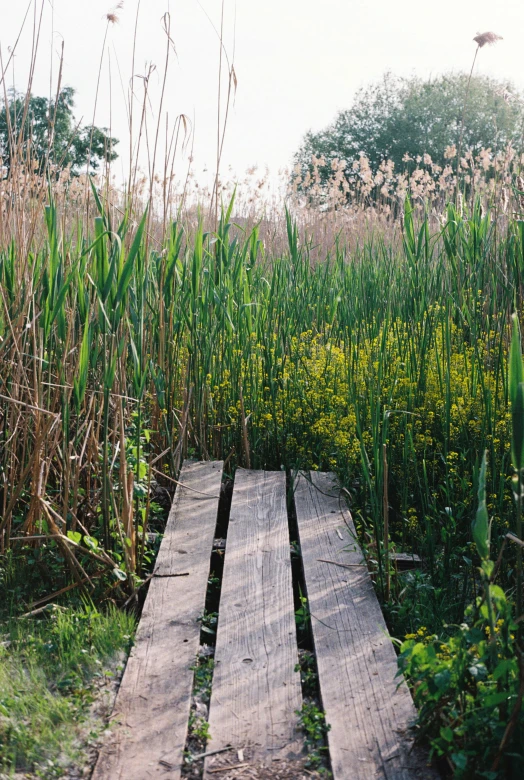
x=313, y=723
x=48, y=671
x=198, y=727
x=308, y=673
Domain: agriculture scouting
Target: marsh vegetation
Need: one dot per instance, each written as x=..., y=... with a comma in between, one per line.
x=365, y=329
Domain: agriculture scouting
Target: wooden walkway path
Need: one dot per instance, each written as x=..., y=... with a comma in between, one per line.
x=256, y=691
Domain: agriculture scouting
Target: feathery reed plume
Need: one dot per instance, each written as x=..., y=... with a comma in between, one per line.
x=112, y=17
x=481, y=39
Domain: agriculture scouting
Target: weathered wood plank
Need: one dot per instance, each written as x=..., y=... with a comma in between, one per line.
x=256, y=690
x=195, y=505
x=152, y=706
x=368, y=715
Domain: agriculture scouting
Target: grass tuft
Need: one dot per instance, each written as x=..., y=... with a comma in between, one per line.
x=50, y=671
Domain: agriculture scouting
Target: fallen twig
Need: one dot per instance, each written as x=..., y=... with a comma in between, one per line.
x=39, y=611
x=343, y=565
x=133, y=595
x=211, y=753
x=513, y=538
x=61, y=591
x=227, y=768
x=200, y=492
x=29, y=406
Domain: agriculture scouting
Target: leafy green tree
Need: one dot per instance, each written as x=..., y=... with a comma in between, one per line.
x=40, y=130
x=400, y=116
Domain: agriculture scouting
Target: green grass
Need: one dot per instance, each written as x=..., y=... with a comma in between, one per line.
x=49, y=668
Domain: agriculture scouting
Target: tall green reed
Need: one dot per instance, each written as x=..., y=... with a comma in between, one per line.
x=120, y=357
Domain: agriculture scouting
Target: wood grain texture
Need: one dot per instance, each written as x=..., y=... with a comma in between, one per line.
x=153, y=702
x=194, y=509
x=368, y=715
x=256, y=690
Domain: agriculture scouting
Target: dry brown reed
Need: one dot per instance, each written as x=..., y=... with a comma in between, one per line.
x=489, y=38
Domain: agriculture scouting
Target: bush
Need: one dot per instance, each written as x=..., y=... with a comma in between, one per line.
x=468, y=688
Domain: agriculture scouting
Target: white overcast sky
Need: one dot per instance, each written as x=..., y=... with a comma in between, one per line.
x=297, y=61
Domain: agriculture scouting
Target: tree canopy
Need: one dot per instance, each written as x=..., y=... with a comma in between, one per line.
x=46, y=130
x=409, y=116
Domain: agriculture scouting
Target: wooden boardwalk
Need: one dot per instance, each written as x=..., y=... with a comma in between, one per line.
x=256, y=691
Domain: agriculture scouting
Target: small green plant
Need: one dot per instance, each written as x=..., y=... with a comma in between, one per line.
x=466, y=687
x=198, y=728
x=308, y=673
x=203, y=676
x=209, y=621
x=313, y=723
x=302, y=616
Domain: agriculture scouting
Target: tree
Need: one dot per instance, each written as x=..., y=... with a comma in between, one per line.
x=400, y=116
x=41, y=131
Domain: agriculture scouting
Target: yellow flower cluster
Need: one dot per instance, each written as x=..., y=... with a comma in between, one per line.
x=421, y=635
x=330, y=403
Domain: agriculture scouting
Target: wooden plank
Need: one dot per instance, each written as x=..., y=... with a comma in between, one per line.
x=406, y=561
x=368, y=715
x=194, y=506
x=153, y=702
x=256, y=690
